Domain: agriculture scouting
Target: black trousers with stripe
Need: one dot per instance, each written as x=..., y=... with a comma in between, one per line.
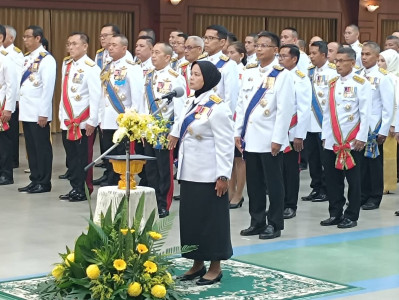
x=291, y=178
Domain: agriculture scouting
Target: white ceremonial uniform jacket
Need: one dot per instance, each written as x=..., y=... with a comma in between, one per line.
x=383, y=102
x=357, y=46
x=83, y=89
x=163, y=82
x=227, y=89
x=302, y=105
x=240, y=69
x=319, y=81
x=185, y=71
x=9, y=86
x=207, y=149
x=353, y=104
x=36, y=92
x=304, y=62
x=270, y=120
x=17, y=58
x=146, y=66
x=252, y=59
x=128, y=82
x=106, y=58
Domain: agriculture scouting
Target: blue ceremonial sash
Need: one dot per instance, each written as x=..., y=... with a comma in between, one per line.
x=317, y=111
x=115, y=101
x=371, y=149
x=100, y=58
x=191, y=118
x=220, y=63
x=254, y=102
x=152, y=105
x=173, y=65
x=36, y=61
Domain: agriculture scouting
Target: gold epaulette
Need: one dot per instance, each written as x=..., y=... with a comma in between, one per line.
x=202, y=56
x=359, y=79
x=138, y=61
x=360, y=45
x=100, y=50
x=43, y=54
x=311, y=67
x=4, y=52
x=66, y=58
x=250, y=66
x=184, y=64
x=357, y=67
x=173, y=59
x=224, y=58
x=299, y=73
x=332, y=66
x=215, y=99
x=279, y=68
x=16, y=49
x=130, y=62
x=27, y=53
x=173, y=72
x=383, y=71
x=90, y=63
x=333, y=80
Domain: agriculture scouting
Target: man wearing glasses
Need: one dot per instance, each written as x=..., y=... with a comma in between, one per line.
x=264, y=110
x=178, y=49
x=344, y=135
x=214, y=39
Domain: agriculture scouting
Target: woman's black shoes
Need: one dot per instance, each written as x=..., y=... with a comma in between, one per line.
x=237, y=205
x=203, y=281
x=192, y=276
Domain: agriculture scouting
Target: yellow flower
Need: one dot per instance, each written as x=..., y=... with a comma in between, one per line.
x=158, y=291
x=119, y=264
x=134, y=289
x=132, y=230
x=70, y=258
x=93, y=272
x=150, y=266
x=155, y=235
x=124, y=231
x=141, y=248
x=58, y=271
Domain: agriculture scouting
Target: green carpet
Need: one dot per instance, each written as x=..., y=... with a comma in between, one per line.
x=241, y=281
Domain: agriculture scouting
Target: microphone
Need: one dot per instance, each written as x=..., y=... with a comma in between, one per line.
x=177, y=92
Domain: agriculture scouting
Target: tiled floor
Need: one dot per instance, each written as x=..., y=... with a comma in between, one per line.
x=34, y=228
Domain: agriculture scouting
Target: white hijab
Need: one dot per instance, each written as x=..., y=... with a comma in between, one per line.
x=392, y=60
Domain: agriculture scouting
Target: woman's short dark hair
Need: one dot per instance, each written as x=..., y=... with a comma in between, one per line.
x=240, y=48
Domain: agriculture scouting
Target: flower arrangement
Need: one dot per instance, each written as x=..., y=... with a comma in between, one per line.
x=137, y=126
x=115, y=261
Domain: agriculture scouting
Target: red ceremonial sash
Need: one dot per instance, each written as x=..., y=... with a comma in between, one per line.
x=74, y=133
x=294, y=122
x=3, y=126
x=342, y=149
x=184, y=73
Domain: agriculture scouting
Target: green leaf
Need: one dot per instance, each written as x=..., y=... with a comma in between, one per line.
x=89, y=201
x=99, y=231
x=163, y=226
x=139, y=213
x=77, y=270
x=179, y=250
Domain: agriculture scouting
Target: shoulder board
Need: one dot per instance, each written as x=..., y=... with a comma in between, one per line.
x=224, y=58
x=90, y=63
x=383, y=71
x=16, y=49
x=300, y=74
x=215, y=99
x=332, y=66
x=203, y=55
x=130, y=62
x=360, y=45
x=357, y=67
x=359, y=79
x=173, y=59
x=138, y=61
x=250, y=66
x=173, y=72
x=27, y=53
x=43, y=54
x=333, y=80
x=100, y=50
x=4, y=52
x=311, y=67
x=66, y=58
x=184, y=64
x=279, y=68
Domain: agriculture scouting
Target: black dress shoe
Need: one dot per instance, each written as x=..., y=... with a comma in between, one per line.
x=252, y=230
x=68, y=195
x=99, y=180
x=347, y=223
x=77, y=197
x=177, y=197
x=269, y=233
x=26, y=188
x=370, y=206
x=311, y=196
x=397, y=213
x=39, y=188
x=64, y=176
x=331, y=221
x=321, y=197
x=203, y=281
x=289, y=213
x=5, y=181
x=163, y=213
x=193, y=275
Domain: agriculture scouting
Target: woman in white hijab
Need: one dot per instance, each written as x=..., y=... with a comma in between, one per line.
x=389, y=60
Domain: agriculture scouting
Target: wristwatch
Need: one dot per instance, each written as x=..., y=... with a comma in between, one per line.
x=222, y=178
